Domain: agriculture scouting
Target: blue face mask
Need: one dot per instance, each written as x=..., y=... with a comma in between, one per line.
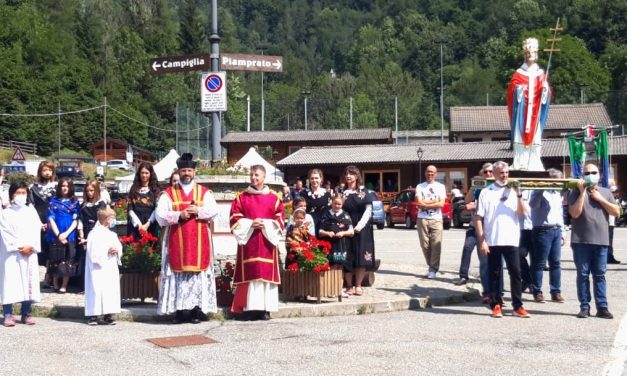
x=112, y=223
x=591, y=179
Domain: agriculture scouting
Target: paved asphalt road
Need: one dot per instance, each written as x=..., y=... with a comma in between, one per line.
x=451, y=340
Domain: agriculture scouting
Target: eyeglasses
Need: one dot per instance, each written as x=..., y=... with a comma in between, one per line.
x=590, y=173
x=487, y=171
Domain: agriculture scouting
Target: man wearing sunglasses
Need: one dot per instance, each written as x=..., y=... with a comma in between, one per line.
x=590, y=206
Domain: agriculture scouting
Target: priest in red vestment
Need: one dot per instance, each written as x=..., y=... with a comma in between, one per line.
x=257, y=221
x=528, y=99
x=187, y=281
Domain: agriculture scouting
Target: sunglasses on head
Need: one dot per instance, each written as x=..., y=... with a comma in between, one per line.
x=591, y=172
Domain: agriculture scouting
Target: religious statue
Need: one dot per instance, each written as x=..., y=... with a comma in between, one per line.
x=528, y=99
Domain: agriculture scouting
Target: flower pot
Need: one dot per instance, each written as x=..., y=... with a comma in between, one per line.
x=139, y=285
x=318, y=285
x=224, y=298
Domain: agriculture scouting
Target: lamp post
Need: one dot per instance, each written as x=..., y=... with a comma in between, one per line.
x=305, y=93
x=420, y=152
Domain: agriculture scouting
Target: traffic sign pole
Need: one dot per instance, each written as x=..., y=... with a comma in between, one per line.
x=214, y=38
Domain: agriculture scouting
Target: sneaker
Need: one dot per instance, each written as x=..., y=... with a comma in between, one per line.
x=108, y=320
x=28, y=320
x=604, y=313
x=431, y=275
x=461, y=281
x=539, y=298
x=557, y=298
x=92, y=320
x=613, y=261
x=584, y=313
x=9, y=321
x=521, y=312
x=62, y=290
x=497, y=312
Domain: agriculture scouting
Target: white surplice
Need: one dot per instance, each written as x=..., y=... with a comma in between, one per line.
x=185, y=290
x=102, y=275
x=19, y=274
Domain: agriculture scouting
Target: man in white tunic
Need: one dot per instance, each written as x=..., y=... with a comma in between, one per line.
x=102, y=275
x=185, y=211
x=20, y=232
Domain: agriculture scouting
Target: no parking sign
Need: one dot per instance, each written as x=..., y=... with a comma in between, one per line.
x=213, y=92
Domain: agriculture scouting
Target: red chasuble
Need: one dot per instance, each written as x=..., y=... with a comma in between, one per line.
x=258, y=259
x=531, y=85
x=189, y=248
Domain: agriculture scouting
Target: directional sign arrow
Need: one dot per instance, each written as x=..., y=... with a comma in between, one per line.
x=172, y=64
x=254, y=63
x=155, y=65
x=278, y=65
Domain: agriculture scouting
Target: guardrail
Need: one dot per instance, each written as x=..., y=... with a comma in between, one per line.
x=27, y=147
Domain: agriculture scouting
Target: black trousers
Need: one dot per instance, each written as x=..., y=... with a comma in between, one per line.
x=525, y=248
x=512, y=260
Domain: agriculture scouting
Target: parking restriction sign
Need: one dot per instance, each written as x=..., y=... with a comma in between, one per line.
x=213, y=92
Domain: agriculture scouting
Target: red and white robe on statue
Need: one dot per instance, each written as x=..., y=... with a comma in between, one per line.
x=257, y=270
x=528, y=100
x=187, y=278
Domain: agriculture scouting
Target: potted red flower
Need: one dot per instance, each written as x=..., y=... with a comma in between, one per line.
x=307, y=271
x=141, y=266
x=224, y=283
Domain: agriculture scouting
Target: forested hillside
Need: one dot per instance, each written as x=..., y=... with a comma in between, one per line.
x=66, y=55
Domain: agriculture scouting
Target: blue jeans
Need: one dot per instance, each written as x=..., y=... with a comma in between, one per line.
x=547, y=245
x=470, y=243
x=7, y=309
x=590, y=259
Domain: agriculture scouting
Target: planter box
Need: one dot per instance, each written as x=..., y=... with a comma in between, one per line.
x=139, y=286
x=318, y=285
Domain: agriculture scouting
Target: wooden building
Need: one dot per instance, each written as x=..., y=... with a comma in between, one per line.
x=116, y=149
x=284, y=143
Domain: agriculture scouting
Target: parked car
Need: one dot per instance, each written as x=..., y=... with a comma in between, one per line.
x=460, y=214
x=68, y=172
x=120, y=164
x=378, y=214
x=79, y=189
x=403, y=210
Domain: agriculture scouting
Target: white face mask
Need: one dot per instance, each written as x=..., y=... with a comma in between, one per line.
x=19, y=200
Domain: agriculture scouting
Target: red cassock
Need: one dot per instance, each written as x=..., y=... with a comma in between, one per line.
x=258, y=259
x=189, y=246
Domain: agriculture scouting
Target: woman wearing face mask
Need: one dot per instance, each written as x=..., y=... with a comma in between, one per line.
x=61, y=234
x=19, y=244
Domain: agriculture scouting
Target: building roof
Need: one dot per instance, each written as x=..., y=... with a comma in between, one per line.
x=407, y=153
x=496, y=118
x=425, y=133
x=378, y=134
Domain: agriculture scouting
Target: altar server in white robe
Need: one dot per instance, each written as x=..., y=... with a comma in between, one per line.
x=20, y=231
x=102, y=276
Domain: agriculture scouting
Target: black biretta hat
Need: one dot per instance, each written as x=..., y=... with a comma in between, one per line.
x=186, y=161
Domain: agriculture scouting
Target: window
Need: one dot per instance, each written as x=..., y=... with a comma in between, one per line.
x=382, y=181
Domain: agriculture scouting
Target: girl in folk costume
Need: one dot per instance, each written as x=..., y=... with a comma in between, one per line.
x=257, y=221
x=185, y=211
x=20, y=232
x=102, y=276
x=87, y=219
x=317, y=197
x=39, y=195
x=142, y=202
x=358, y=205
x=336, y=225
x=300, y=203
x=298, y=230
x=61, y=234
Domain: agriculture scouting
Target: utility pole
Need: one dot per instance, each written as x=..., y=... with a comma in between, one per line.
x=263, y=47
x=441, y=93
x=351, y=113
x=214, y=39
x=104, y=139
x=59, y=121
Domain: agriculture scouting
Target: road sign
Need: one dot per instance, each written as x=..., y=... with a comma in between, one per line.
x=171, y=64
x=213, y=92
x=18, y=155
x=255, y=63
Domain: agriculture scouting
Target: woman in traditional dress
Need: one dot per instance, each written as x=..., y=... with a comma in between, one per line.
x=317, y=197
x=87, y=219
x=358, y=205
x=142, y=202
x=61, y=234
x=19, y=244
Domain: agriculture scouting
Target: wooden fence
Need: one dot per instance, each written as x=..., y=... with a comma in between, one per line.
x=27, y=147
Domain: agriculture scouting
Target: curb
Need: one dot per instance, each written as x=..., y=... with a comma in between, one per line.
x=146, y=312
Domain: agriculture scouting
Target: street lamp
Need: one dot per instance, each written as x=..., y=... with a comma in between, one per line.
x=420, y=152
x=305, y=93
